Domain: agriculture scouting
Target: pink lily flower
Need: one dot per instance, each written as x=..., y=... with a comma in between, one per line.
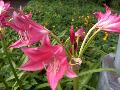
x=80, y=33
x=29, y=31
x=4, y=8
x=107, y=21
x=52, y=58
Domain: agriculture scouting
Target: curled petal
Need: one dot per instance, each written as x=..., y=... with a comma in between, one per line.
x=80, y=33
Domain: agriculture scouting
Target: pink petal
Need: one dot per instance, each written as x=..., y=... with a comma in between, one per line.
x=7, y=6
x=108, y=11
x=98, y=15
x=35, y=35
x=69, y=72
x=19, y=21
x=38, y=58
x=108, y=22
x=45, y=41
x=32, y=65
x=19, y=44
x=39, y=54
x=80, y=33
x=60, y=53
x=55, y=72
x=30, y=31
x=1, y=3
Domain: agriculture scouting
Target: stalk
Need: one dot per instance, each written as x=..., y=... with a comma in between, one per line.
x=76, y=83
x=88, y=77
x=76, y=80
x=89, y=41
x=85, y=39
x=59, y=87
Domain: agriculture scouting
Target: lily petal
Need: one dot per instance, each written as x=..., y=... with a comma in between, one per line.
x=55, y=72
x=32, y=66
x=107, y=21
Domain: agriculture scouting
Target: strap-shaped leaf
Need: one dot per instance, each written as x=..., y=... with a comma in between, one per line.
x=97, y=70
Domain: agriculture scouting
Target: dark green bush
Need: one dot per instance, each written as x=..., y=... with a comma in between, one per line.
x=59, y=15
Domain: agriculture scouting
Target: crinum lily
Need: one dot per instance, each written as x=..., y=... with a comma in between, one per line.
x=52, y=58
x=29, y=31
x=107, y=21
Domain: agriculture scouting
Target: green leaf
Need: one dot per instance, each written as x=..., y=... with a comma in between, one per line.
x=97, y=70
x=41, y=86
x=89, y=87
x=12, y=77
x=59, y=87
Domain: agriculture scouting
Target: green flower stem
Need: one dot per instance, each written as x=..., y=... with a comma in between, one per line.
x=76, y=83
x=10, y=62
x=85, y=39
x=89, y=41
x=5, y=83
x=59, y=87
